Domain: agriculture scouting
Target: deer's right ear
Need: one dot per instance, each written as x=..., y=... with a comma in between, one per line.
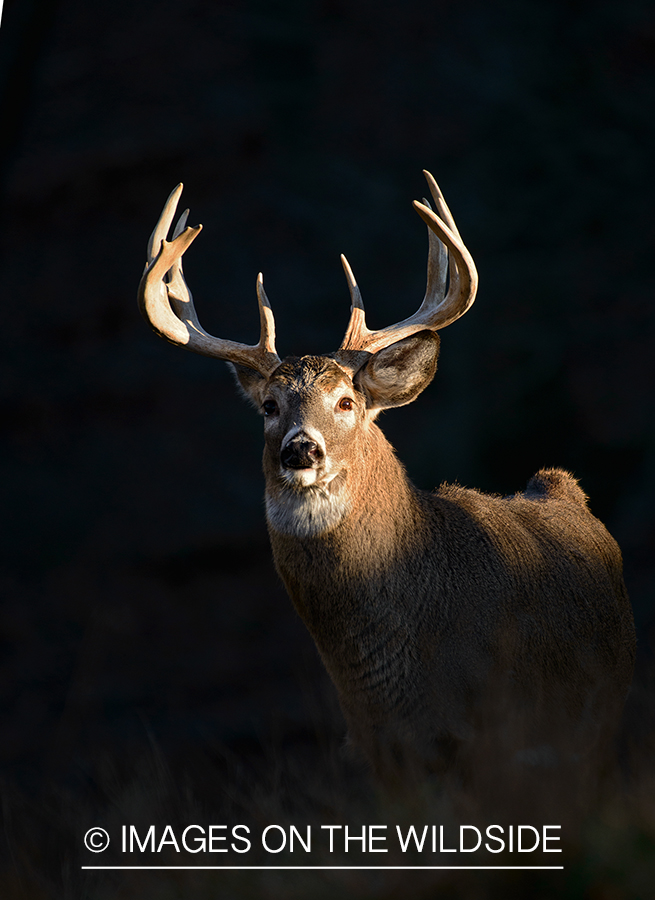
x=397, y=374
x=251, y=384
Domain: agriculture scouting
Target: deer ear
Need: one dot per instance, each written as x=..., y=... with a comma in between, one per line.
x=397, y=374
x=251, y=384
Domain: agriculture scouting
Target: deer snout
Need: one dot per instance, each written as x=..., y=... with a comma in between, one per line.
x=301, y=452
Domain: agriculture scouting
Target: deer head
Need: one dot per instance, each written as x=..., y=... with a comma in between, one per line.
x=317, y=409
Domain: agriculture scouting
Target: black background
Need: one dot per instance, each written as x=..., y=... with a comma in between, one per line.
x=140, y=610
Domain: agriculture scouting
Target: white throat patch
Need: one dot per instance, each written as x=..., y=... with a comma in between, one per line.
x=307, y=512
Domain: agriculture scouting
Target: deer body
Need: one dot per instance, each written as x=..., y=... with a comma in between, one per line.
x=417, y=633
x=438, y=615
x=428, y=608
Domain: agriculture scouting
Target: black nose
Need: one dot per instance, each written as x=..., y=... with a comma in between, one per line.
x=301, y=453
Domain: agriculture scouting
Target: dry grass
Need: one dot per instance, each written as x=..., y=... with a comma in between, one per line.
x=237, y=724
x=608, y=828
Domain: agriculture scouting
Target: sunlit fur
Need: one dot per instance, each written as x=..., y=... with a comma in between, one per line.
x=309, y=502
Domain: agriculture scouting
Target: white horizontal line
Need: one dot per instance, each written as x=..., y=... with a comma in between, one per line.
x=305, y=868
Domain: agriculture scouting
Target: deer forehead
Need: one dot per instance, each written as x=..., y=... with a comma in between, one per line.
x=306, y=376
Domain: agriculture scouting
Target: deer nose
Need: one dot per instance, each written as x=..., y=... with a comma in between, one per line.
x=301, y=453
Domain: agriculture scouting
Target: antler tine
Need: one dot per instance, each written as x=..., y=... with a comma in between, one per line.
x=181, y=225
x=266, y=320
x=167, y=304
x=179, y=294
x=164, y=223
x=357, y=324
x=437, y=267
x=436, y=311
x=442, y=207
x=463, y=274
x=444, y=213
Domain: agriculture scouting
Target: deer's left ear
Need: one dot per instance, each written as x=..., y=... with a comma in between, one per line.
x=397, y=374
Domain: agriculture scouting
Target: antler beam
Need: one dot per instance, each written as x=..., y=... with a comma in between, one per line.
x=166, y=302
x=436, y=311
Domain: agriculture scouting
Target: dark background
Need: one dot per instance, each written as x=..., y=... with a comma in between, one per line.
x=140, y=607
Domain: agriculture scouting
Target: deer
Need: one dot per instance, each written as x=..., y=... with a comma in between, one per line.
x=430, y=610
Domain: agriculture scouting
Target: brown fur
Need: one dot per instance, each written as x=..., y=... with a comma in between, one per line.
x=441, y=615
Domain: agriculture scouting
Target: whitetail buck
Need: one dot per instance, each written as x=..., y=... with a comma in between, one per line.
x=434, y=613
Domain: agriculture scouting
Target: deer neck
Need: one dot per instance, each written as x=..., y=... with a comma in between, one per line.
x=369, y=491
x=339, y=544
x=349, y=582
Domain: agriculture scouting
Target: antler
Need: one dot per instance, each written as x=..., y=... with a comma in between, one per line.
x=436, y=310
x=166, y=302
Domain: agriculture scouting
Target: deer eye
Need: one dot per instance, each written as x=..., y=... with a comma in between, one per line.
x=269, y=407
x=345, y=404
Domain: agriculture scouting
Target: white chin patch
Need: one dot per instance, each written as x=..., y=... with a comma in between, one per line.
x=300, y=478
x=308, y=508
